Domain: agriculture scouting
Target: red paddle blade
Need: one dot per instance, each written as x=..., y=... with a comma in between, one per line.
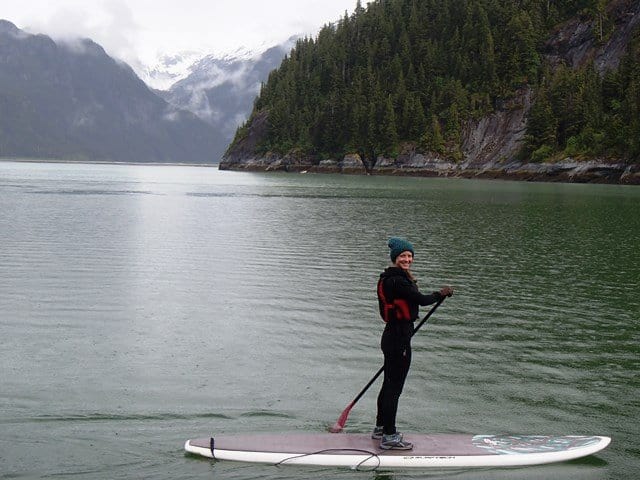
x=339, y=425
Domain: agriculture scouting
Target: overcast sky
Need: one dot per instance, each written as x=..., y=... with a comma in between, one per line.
x=138, y=30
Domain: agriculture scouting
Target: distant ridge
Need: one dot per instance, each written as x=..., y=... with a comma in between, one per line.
x=71, y=101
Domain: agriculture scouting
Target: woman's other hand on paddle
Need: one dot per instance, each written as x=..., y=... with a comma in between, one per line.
x=446, y=291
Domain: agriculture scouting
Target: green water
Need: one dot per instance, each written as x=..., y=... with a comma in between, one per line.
x=141, y=306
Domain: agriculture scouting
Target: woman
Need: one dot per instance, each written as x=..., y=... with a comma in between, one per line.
x=399, y=300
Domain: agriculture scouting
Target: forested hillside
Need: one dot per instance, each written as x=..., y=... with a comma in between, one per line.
x=414, y=73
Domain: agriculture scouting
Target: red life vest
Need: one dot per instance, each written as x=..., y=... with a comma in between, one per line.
x=397, y=309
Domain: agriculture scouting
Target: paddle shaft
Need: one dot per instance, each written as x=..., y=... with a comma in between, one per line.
x=379, y=372
x=337, y=427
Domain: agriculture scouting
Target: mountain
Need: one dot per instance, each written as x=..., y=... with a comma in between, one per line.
x=72, y=101
x=168, y=69
x=221, y=91
x=490, y=88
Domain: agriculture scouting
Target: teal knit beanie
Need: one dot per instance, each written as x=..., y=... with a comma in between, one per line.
x=399, y=245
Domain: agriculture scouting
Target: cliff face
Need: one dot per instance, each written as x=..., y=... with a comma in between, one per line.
x=489, y=145
x=578, y=41
x=496, y=138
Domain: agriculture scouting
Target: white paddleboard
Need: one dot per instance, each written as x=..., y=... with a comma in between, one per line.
x=362, y=452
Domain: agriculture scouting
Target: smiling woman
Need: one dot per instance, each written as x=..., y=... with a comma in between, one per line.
x=399, y=300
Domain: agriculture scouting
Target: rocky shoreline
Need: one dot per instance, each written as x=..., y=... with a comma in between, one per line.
x=418, y=165
x=489, y=151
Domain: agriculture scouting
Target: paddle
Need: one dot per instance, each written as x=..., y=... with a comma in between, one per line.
x=342, y=419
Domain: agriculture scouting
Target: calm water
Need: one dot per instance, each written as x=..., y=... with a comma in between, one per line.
x=144, y=305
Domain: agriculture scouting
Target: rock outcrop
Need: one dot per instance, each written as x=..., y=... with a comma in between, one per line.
x=578, y=41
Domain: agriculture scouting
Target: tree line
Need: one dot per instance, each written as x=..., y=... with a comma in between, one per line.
x=415, y=71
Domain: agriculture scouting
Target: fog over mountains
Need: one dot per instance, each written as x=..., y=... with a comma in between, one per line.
x=221, y=91
x=71, y=101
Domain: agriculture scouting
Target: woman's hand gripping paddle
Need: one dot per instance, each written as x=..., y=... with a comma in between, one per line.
x=342, y=419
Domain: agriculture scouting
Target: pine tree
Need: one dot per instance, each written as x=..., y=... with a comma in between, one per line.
x=541, y=126
x=388, y=130
x=432, y=138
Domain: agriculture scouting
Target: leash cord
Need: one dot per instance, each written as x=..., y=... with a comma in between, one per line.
x=329, y=450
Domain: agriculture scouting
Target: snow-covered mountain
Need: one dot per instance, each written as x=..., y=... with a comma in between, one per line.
x=168, y=69
x=220, y=89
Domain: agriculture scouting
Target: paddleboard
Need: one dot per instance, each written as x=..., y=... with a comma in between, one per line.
x=361, y=452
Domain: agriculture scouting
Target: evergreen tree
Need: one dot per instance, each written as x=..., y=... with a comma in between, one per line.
x=432, y=139
x=541, y=126
x=388, y=131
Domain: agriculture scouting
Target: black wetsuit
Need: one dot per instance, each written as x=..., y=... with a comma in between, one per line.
x=400, y=291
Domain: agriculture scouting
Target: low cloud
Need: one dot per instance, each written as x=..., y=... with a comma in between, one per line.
x=113, y=27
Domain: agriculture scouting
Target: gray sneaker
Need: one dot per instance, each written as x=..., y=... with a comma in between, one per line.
x=377, y=433
x=395, y=442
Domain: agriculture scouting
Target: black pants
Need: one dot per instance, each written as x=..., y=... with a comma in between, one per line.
x=396, y=346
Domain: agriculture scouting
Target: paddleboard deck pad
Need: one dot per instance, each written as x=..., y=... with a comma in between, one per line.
x=361, y=452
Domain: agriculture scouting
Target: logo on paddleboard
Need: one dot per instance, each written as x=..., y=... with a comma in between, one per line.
x=519, y=444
